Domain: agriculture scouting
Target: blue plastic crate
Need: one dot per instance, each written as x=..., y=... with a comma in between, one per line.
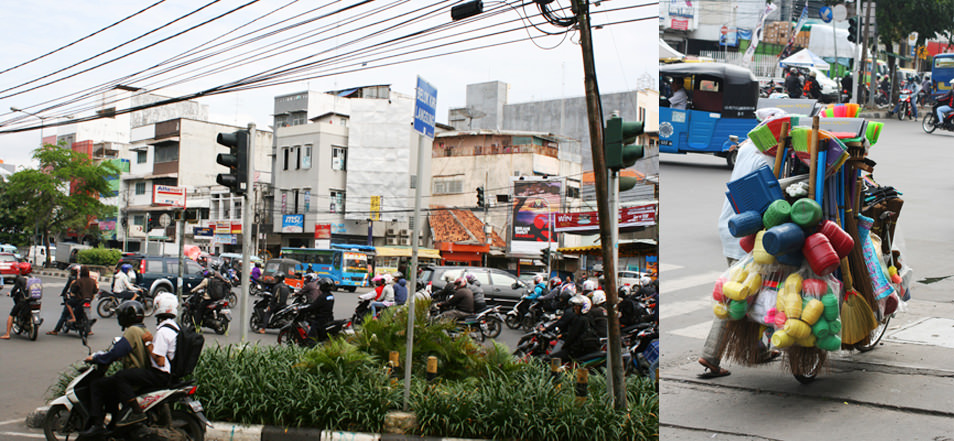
x=754, y=191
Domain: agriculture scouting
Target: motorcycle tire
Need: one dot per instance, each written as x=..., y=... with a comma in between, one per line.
x=233, y=299
x=255, y=322
x=107, y=307
x=148, y=306
x=288, y=336
x=222, y=327
x=928, y=123
x=512, y=321
x=32, y=330
x=57, y=425
x=902, y=111
x=491, y=327
x=186, y=423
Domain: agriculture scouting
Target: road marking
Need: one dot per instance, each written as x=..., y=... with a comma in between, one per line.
x=4, y=423
x=663, y=267
x=24, y=435
x=699, y=330
x=672, y=285
x=672, y=309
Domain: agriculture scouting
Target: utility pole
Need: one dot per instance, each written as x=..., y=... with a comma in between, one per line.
x=247, y=232
x=595, y=120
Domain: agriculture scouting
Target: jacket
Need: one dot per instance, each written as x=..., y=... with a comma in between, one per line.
x=400, y=292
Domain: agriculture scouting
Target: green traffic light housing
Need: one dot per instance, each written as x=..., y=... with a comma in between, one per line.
x=853, y=29
x=618, y=137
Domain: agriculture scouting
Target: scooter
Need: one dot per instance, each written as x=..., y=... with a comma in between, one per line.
x=930, y=123
x=276, y=320
x=297, y=332
x=83, y=325
x=28, y=321
x=167, y=410
x=216, y=315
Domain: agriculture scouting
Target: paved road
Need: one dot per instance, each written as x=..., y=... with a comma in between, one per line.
x=900, y=391
x=28, y=368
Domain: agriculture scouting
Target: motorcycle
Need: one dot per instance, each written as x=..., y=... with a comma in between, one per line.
x=905, y=109
x=215, y=315
x=361, y=311
x=297, y=332
x=491, y=321
x=167, y=410
x=83, y=325
x=277, y=320
x=108, y=302
x=28, y=321
x=643, y=343
x=930, y=123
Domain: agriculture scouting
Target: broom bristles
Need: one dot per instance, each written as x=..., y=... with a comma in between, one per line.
x=742, y=342
x=805, y=361
x=857, y=320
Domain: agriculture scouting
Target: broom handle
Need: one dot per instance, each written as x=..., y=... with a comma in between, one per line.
x=813, y=162
x=780, y=150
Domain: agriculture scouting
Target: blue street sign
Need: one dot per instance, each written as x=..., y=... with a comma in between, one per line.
x=425, y=108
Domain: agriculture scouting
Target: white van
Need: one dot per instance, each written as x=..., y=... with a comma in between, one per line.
x=37, y=255
x=7, y=248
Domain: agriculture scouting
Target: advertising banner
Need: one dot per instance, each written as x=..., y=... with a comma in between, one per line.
x=535, y=204
x=293, y=223
x=322, y=231
x=589, y=221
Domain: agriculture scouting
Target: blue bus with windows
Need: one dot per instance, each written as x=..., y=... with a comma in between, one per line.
x=942, y=72
x=347, y=268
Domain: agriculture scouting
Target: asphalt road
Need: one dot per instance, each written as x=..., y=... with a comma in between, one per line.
x=28, y=368
x=903, y=390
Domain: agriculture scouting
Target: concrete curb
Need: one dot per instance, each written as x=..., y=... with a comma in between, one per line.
x=239, y=432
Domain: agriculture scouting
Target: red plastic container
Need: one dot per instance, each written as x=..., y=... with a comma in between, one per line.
x=820, y=254
x=747, y=243
x=814, y=287
x=840, y=240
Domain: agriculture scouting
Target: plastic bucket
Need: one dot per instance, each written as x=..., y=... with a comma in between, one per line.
x=820, y=254
x=840, y=240
x=783, y=239
x=745, y=223
x=777, y=213
x=806, y=212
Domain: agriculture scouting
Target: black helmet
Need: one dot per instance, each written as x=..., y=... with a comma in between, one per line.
x=279, y=276
x=326, y=284
x=129, y=313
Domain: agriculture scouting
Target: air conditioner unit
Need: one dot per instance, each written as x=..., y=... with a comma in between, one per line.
x=393, y=241
x=403, y=233
x=392, y=232
x=404, y=241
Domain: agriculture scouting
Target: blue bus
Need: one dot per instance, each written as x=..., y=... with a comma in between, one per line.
x=942, y=72
x=722, y=103
x=348, y=269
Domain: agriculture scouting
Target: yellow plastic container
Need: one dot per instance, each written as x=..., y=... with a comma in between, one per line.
x=759, y=255
x=812, y=311
x=807, y=342
x=797, y=328
x=781, y=339
x=720, y=311
x=753, y=283
x=735, y=290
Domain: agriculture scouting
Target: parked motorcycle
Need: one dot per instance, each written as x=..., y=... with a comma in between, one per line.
x=297, y=332
x=930, y=123
x=167, y=410
x=216, y=315
x=28, y=320
x=905, y=105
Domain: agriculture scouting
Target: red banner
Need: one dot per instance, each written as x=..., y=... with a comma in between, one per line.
x=322, y=231
x=236, y=228
x=636, y=216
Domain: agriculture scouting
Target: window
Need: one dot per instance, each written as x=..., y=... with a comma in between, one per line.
x=337, y=201
x=141, y=157
x=344, y=122
x=297, y=118
x=296, y=193
x=297, y=157
x=501, y=279
x=139, y=220
x=140, y=188
x=448, y=185
x=306, y=157
x=285, y=162
x=166, y=153
x=339, y=158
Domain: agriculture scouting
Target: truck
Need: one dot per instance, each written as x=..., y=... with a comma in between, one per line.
x=65, y=253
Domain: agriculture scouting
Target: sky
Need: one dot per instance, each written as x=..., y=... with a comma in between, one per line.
x=349, y=45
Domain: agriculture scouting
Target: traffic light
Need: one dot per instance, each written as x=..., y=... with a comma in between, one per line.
x=236, y=160
x=481, y=202
x=853, y=29
x=617, y=137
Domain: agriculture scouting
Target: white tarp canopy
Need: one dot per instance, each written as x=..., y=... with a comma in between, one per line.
x=805, y=58
x=821, y=43
x=666, y=51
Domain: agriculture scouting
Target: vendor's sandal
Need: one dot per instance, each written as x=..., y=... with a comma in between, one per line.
x=711, y=371
x=771, y=355
x=52, y=333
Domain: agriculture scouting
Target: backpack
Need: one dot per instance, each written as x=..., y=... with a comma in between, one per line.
x=590, y=338
x=217, y=288
x=35, y=288
x=188, y=347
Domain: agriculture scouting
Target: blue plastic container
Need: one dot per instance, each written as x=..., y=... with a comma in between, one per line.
x=754, y=191
x=783, y=239
x=745, y=223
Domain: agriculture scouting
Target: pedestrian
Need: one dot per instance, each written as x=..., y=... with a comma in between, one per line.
x=792, y=84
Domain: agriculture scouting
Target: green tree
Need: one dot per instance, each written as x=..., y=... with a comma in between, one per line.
x=897, y=19
x=62, y=194
x=14, y=227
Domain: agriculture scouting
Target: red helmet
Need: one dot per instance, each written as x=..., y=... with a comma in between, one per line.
x=25, y=268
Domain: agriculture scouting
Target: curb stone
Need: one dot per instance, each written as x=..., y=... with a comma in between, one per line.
x=221, y=431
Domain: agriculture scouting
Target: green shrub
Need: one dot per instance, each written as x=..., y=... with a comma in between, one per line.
x=99, y=256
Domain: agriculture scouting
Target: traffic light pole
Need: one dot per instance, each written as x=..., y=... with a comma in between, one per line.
x=595, y=121
x=247, y=233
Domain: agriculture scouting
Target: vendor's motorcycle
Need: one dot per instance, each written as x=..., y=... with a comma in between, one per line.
x=167, y=410
x=216, y=315
x=930, y=123
x=27, y=322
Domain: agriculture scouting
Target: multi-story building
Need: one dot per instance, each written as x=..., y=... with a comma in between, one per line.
x=343, y=165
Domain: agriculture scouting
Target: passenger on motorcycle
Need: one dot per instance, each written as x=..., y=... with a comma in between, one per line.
x=551, y=301
x=400, y=288
x=385, y=296
x=480, y=303
x=309, y=287
x=256, y=272
x=65, y=294
x=122, y=287
x=82, y=290
x=322, y=309
x=598, y=313
x=214, y=287
x=279, y=298
x=461, y=302
x=576, y=341
x=132, y=351
x=20, y=293
x=947, y=101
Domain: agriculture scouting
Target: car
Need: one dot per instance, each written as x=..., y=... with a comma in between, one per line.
x=527, y=277
x=159, y=273
x=10, y=267
x=630, y=278
x=500, y=287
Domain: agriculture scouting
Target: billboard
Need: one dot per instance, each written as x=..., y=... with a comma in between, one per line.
x=293, y=223
x=536, y=201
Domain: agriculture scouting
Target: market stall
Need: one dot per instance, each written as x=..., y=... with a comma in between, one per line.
x=821, y=274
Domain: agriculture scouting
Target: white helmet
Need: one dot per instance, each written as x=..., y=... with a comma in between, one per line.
x=599, y=297
x=645, y=281
x=589, y=285
x=581, y=300
x=166, y=303
x=537, y=278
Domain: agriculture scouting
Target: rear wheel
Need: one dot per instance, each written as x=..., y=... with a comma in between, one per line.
x=288, y=336
x=929, y=121
x=57, y=425
x=183, y=422
x=491, y=327
x=875, y=336
x=512, y=321
x=107, y=307
x=32, y=329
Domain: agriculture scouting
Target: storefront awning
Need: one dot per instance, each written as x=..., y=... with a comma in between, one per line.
x=427, y=253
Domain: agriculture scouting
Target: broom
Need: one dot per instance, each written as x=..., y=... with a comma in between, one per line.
x=857, y=318
x=742, y=342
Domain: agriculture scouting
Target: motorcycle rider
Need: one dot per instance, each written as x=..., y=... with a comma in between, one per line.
x=279, y=299
x=598, y=313
x=122, y=287
x=461, y=302
x=132, y=351
x=322, y=309
x=911, y=85
x=812, y=88
x=480, y=303
x=576, y=342
x=66, y=314
x=82, y=290
x=792, y=84
x=309, y=287
x=214, y=287
x=20, y=293
x=947, y=104
x=400, y=289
